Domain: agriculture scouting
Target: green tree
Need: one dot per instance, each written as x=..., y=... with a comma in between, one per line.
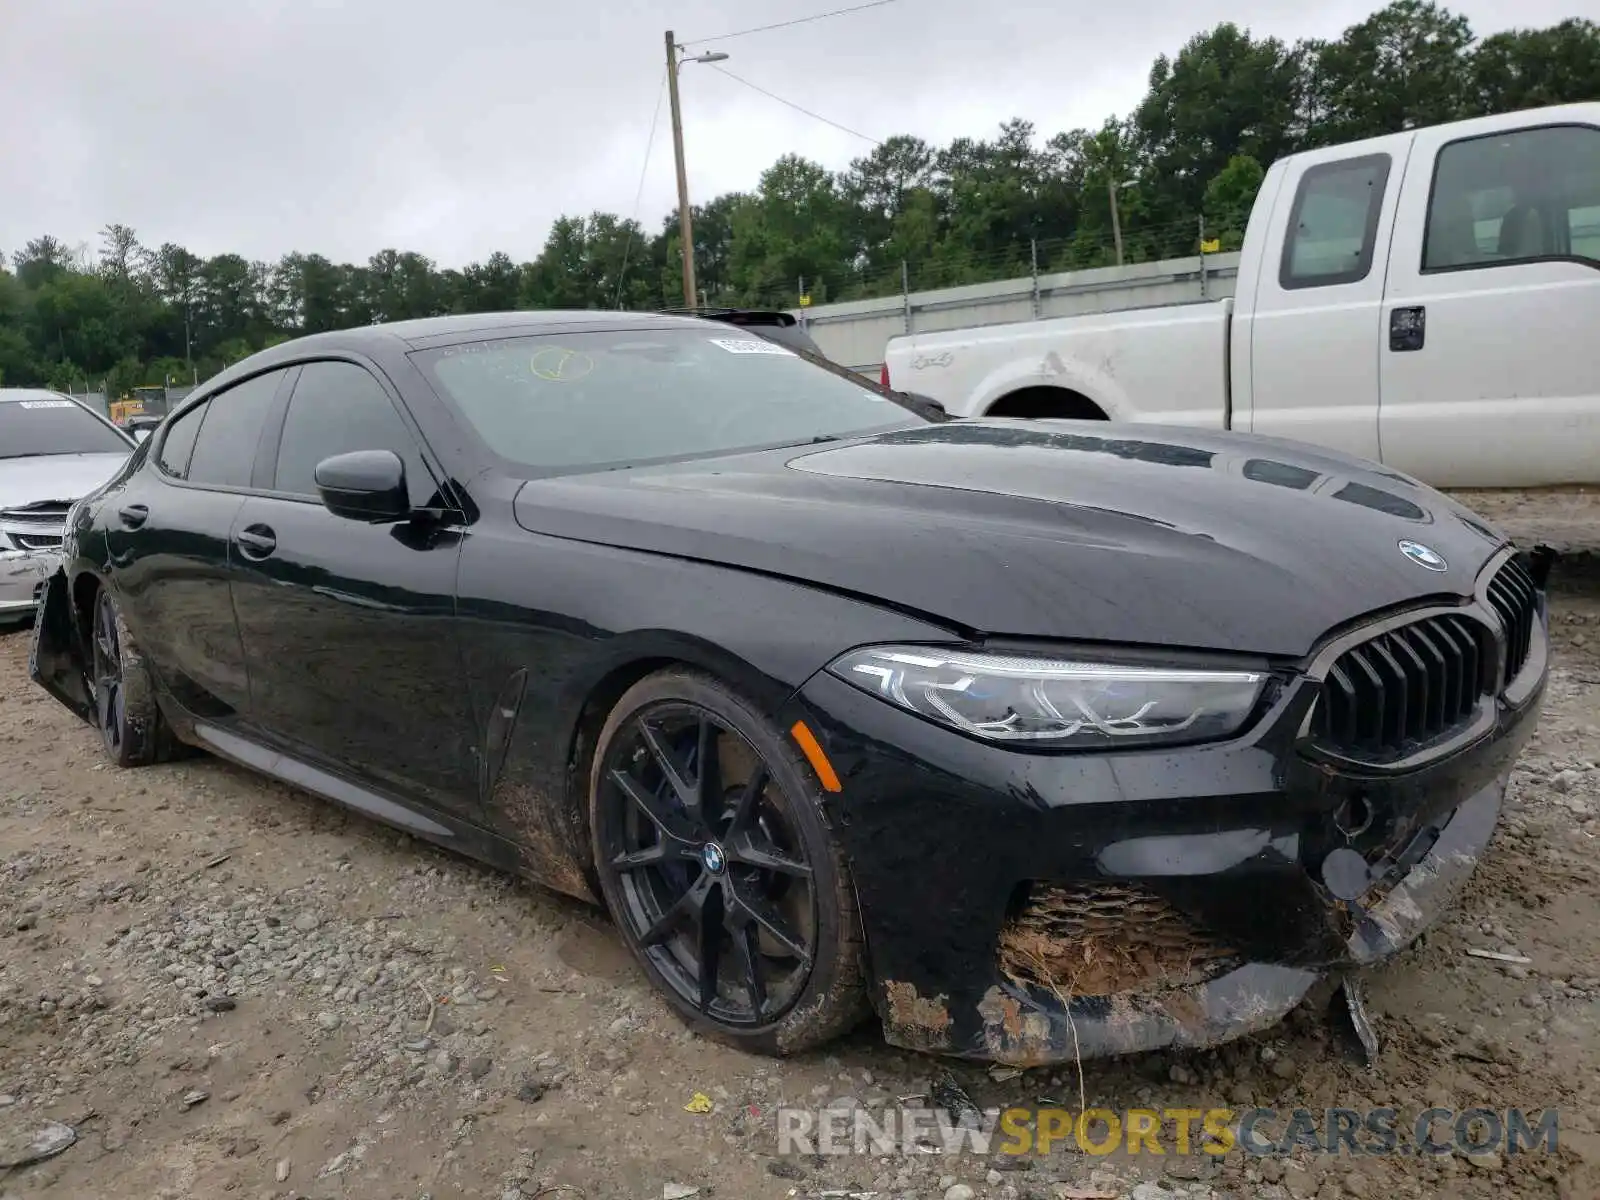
x=121, y=256
x=1225, y=94
x=1401, y=68
x=16, y=351
x=795, y=227
x=878, y=189
x=489, y=286
x=1229, y=196
x=41, y=260
x=1530, y=68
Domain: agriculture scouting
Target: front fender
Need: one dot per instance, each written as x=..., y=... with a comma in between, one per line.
x=57, y=659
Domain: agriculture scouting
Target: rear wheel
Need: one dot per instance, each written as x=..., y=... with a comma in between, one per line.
x=130, y=724
x=718, y=870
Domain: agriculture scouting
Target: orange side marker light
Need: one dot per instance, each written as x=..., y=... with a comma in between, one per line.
x=812, y=749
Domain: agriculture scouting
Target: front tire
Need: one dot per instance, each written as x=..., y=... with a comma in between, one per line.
x=718, y=870
x=130, y=724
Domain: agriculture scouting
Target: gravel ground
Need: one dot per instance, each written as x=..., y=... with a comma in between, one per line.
x=1567, y=519
x=229, y=989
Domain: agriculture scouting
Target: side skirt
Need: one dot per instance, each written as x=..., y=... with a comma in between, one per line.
x=460, y=836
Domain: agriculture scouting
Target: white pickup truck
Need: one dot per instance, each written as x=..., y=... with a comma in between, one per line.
x=1428, y=299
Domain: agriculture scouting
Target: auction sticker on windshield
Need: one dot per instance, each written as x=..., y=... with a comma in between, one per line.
x=46, y=403
x=751, y=346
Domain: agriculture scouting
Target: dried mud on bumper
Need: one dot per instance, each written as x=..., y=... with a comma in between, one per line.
x=1097, y=971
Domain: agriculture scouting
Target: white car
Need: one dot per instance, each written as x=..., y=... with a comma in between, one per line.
x=53, y=451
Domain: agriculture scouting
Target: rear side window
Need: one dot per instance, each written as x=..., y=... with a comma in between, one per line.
x=337, y=408
x=1515, y=197
x=225, y=450
x=178, y=443
x=1334, y=223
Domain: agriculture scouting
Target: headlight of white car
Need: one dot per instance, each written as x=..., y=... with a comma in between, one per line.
x=1069, y=703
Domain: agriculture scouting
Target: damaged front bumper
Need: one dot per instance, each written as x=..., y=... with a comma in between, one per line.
x=1034, y=908
x=1023, y=1027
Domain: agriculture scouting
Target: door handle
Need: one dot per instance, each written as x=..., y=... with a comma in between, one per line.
x=256, y=541
x=1407, y=328
x=134, y=515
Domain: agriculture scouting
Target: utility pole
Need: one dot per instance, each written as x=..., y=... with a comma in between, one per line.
x=1116, y=218
x=685, y=221
x=685, y=218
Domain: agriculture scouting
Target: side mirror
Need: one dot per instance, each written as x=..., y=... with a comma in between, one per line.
x=140, y=435
x=364, y=485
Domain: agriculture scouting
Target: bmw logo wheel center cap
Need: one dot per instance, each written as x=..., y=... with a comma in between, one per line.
x=1424, y=556
x=713, y=858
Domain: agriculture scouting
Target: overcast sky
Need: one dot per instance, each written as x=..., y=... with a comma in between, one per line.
x=460, y=127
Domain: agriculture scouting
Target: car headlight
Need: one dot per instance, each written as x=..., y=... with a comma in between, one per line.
x=1055, y=702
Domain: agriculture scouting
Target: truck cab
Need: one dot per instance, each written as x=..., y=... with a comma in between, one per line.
x=1428, y=299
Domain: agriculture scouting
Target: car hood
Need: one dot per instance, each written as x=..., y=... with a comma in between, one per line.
x=59, y=478
x=1053, y=529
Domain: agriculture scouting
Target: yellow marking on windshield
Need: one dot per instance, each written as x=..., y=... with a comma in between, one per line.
x=560, y=365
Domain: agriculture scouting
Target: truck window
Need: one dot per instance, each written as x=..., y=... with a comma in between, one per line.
x=1334, y=223
x=1517, y=197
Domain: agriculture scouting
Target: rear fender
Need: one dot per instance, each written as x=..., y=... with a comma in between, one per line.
x=1069, y=371
x=58, y=660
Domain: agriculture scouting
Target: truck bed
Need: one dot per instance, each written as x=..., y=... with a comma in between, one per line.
x=1166, y=363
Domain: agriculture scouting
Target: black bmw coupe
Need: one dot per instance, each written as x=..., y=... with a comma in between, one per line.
x=1038, y=739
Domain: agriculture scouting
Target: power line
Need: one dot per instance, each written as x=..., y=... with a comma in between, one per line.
x=638, y=195
x=838, y=12
x=791, y=104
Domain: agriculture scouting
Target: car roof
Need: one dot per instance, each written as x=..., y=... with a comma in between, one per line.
x=426, y=331
x=30, y=394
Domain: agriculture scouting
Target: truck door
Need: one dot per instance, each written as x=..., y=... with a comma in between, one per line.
x=1490, y=376
x=1311, y=325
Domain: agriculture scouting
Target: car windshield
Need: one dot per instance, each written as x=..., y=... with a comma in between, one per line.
x=573, y=402
x=51, y=426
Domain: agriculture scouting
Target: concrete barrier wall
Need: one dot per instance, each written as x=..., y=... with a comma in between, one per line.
x=856, y=332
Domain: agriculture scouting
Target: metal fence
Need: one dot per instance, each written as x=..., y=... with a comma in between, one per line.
x=855, y=333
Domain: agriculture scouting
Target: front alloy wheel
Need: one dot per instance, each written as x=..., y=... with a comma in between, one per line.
x=718, y=871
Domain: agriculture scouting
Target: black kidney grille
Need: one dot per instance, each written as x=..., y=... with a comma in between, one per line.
x=1409, y=685
x=1516, y=602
